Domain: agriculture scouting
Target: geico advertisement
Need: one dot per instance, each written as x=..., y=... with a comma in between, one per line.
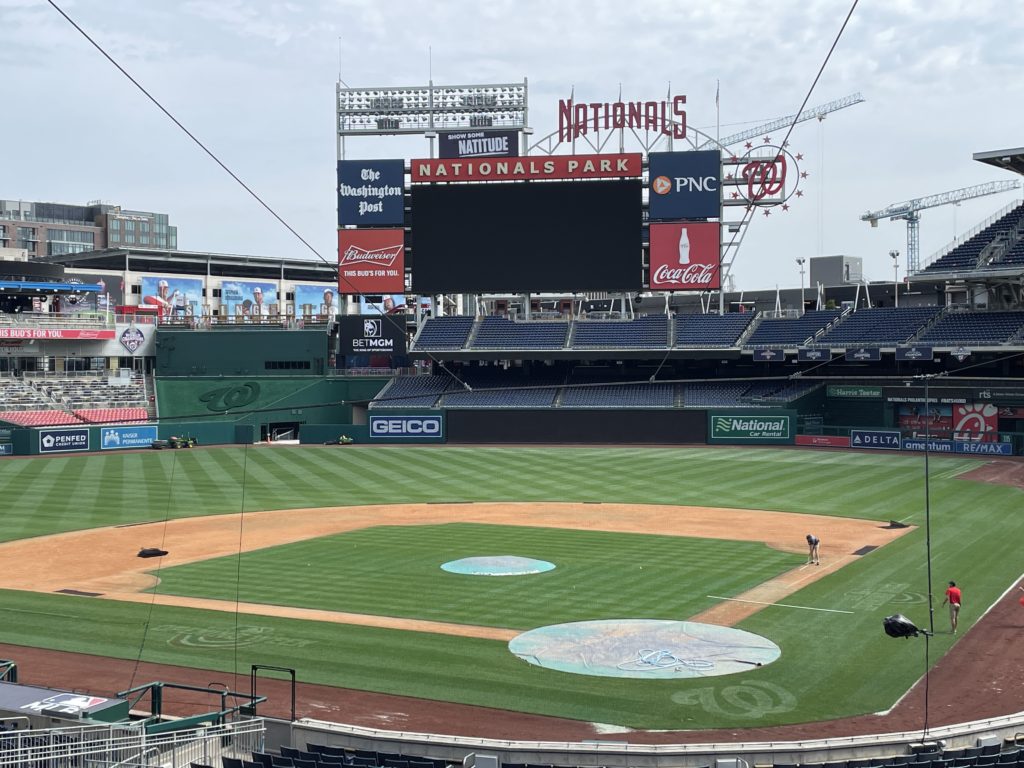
x=409, y=427
x=362, y=334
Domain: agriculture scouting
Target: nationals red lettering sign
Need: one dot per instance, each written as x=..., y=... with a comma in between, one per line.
x=520, y=168
x=54, y=333
x=685, y=256
x=371, y=261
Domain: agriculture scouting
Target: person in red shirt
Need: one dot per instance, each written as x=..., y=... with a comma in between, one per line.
x=953, y=598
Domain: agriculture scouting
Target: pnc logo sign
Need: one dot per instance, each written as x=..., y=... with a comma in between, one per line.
x=685, y=185
x=410, y=427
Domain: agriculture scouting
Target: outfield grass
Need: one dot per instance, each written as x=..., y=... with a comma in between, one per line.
x=832, y=664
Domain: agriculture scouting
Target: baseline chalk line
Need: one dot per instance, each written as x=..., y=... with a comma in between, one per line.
x=781, y=605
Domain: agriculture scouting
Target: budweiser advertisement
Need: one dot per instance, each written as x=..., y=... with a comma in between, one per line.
x=521, y=168
x=371, y=261
x=685, y=256
x=55, y=333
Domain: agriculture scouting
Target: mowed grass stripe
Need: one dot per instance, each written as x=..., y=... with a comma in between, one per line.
x=396, y=571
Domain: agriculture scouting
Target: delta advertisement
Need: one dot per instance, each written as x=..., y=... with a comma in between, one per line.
x=685, y=256
x=371, y=261
x=477, y=144
x=685, y=185
x=315, y=300
x=173, y=296
x=371, y=193
x=246, y=298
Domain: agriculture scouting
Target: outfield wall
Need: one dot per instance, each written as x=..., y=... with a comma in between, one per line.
x=556, y=425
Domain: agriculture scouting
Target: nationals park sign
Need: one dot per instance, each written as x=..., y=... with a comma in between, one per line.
x=572, y=167
x=765, y=426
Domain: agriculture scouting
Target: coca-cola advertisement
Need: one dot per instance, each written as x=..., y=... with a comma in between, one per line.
x=371, y=261
x=685, y=256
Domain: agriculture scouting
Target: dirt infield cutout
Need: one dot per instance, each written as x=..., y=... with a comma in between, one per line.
x=103, y=560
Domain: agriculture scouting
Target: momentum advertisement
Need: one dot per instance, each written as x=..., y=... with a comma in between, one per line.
x=371, y=193
x=685, y=256
x=360, y=335
x=371, y=261
x=244, y=298
x=686, y=185
x=173, y=296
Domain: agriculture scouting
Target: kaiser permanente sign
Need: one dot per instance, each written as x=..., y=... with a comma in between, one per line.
x=765, y=426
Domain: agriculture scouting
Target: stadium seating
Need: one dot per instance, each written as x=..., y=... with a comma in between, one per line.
x=964, y=257
x=994, y=327
x=711, y=330
x=109, y=415
x=774, y=332
x=883, y=326
x=412, y=392
x=41, y=418
x=621, y=396
x=444, y=333
x=646, y=332
x=501, y=333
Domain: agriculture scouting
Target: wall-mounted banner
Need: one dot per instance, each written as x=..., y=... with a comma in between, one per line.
x=54, y=333
x=416, y=427
x=63, y=440
x=114, y=438
x=477, y=144
x=769, y=356
x=6, y=449
x=864, y=354
x=767, y=426
x=913, y=353
x=853, y=390
x=932, y=446
x=685, y=185
x=823, y=441
x=316, y=300
x=877, y=439
x=814, y=355
x=132, y=338
x=173, y=296
x=519, y=169
x=371, y=193
x=371, y=261
x=362, y=334
x=685, y=256
x=984, y=449
x=245, y=298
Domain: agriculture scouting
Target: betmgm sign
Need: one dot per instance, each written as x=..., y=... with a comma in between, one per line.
x=372, y=335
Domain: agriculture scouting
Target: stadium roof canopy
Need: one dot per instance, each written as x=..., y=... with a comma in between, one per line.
x=1006, y=159
x=198, y=263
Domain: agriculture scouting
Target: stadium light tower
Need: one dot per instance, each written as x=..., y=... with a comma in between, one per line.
x=800, y=263
x=895, y=256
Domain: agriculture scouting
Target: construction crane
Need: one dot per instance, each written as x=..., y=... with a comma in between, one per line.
x=813, y=113
x=909, y=211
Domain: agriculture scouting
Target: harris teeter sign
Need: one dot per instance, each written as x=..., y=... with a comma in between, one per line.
x=767, y=426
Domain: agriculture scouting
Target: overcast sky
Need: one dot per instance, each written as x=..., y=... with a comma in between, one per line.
x=255, y=81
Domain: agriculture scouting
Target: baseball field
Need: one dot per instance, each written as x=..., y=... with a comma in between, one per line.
x=328, y=560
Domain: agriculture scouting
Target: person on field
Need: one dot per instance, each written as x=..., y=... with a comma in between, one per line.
x=812, y=549
x=953, y=597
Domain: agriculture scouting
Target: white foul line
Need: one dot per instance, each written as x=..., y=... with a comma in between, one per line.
x=781, y=605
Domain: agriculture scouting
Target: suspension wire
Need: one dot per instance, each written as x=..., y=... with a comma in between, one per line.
x=337, y=273
x=748, y=213
x=159, y=564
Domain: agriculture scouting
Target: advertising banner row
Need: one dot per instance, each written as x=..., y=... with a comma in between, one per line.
x=183, y=297
x=76, y=439
x=893, y=440
x=683, y=185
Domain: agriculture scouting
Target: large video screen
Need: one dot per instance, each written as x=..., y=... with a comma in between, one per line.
x=533, y=236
